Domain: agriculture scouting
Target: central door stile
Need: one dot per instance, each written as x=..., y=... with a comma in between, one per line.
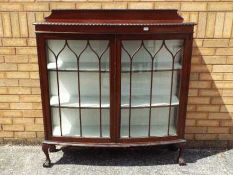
x=113, y=89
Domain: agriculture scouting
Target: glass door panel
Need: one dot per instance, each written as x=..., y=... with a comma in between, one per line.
x=79, y=87
x=150, y=71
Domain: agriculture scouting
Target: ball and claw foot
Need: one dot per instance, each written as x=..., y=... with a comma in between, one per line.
x=181, y=161
x=47, y=163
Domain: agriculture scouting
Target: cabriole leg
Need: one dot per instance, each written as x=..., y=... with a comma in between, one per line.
x=45, y=148
x=180, y=158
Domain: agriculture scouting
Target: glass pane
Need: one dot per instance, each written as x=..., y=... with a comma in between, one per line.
x=79, y=86
x=150, y=71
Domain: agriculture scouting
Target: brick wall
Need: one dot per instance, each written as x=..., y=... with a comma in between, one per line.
x=210, y=109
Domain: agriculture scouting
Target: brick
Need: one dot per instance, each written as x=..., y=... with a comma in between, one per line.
x=215, y=43
x=4, y=106
x=25, y=135
x=6, y=24
x=23, y=120
x=1, y=26
x=207, y=123
x=39, y=121
x=39, y=16
x=13, y=127
x=19, y=90
x=211, y=76
x=193, y=92
x=84, y=5
x=189, y=136
x=36, y=106
x=209, y=92
x=193, y=6
x=198, y=100
x=11, y=7
x=32, y=113
x=222, y=100
x=5, y=121
x=36, y=90
x=7, y=51
x=34, y=75
x=208, y=108
x=14, y=42
x=194, y=76
x=229, y=59
x=140, y=5
x=218, y=130
x=114, y=5
x=226, y=123
x=31, y=42
x=15, y=24
x=200, y=84
x=163, y=5
x=23, y=24
x=194, y=18
x=5, y=134
x=33, y=59
x=210, y=23
x=220, y=6
x=225, y=136
x=26, y=50
x=191, y=108
x=35, y=127
x=220, y=115
x=17, y=75
x=197, y=115
x=29, y=83
x=62, y=5
x=201, y=25
x=28, y=67
x=226, y=108
x=36, y=7
x=40, y=134
x=190, y=122
x=8, y=67
x=16, y=58
x=191, y=130
x=9, y=98
x=228, y=25
x=222, y=68
x=203, y=51
x=224, y=51
x=3, y=90
x=223, y=84
x=201, y=68
x=30, y=98
x=219, y=25
x=30, y=20
x=196, y=60
x=206, y=136
x=227, y=92
x=21, y=106
x=214, y=59
x=10, y=113
x=9, y=82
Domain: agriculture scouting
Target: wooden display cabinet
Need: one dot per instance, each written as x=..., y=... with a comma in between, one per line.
x=114, y=78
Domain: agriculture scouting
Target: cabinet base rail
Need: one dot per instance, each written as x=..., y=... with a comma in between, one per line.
x=173, y=145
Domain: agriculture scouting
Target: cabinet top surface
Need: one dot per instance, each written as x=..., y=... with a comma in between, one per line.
x=114, y=17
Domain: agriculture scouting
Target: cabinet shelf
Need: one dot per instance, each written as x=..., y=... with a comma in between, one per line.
x=93, y=102
x=93, y=67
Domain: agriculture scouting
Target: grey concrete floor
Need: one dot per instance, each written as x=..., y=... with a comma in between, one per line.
x=27, y=160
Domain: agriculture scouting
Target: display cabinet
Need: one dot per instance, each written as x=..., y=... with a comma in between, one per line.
x=114, y=78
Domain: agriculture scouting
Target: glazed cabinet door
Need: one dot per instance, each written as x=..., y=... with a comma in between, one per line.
x=150, y=74
x=79, y=87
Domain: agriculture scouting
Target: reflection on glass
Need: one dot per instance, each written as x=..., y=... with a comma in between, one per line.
x=79, y=87
x=150, y=87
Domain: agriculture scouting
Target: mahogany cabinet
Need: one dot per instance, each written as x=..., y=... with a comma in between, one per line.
x=114, y=78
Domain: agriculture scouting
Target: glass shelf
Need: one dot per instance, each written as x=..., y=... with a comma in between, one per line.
x=83, y=67
x=146, y=67
x=93, y=101
x=93, y=67
x=142, y=131
x=86, y=102
x=144, y=101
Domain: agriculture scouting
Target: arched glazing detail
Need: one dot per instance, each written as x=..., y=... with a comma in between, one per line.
x=161, y=60
x=79, y=85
